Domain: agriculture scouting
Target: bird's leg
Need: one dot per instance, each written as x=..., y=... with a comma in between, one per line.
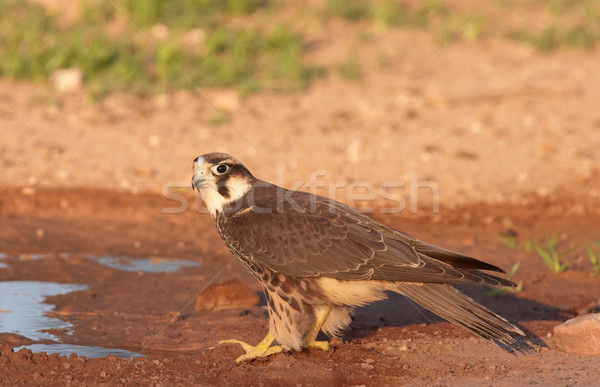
x=262, y=349
x=310, y=339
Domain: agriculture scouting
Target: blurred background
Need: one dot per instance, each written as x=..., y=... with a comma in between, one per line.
x=482, y=116
x=124, y=94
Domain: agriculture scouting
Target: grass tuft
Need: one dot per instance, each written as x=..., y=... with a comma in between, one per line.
x=350, y=69
x=508, y=289
x=251, y=59
x=593, y=252
x=548, y=251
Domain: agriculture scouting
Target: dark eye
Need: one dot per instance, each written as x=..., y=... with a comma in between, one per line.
x=222, y=168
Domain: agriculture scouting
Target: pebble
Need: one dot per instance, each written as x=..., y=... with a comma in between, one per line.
x=366, y=366
x=153, y=141
x=160, y=31
x=227, y=100
x=67, y=79
x=28, y=191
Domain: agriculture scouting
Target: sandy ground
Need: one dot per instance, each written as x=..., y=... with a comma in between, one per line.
x=509, y=136
x=389, y=343
x=487, y=123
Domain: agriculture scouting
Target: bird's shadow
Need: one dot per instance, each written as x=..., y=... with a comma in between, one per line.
x=398, y=311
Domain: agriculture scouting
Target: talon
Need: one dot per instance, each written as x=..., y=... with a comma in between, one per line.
x=322, y=345
x=247, y=347
x=262, y=349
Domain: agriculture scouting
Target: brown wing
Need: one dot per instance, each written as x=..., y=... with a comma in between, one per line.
x=336, y=241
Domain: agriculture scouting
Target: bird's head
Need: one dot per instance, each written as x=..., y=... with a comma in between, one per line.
x=220, y=179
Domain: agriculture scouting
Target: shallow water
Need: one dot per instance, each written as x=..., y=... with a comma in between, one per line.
x=147, y=265
x=80, y=350
x=25, y=313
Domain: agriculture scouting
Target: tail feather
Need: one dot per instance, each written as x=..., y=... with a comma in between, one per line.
x=454, y=306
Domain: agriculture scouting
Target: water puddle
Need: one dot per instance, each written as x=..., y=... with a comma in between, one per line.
x=147, y=265
x=80, y=350
x=24, y=311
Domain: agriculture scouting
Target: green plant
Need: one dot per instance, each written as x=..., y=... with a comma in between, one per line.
x=387, y=13
x=508, y=289
x=509, y=241
x=216, y=119
x=571, y=24
x=551, y=256
x=350, y=69
x=250, y=59
x=594, y=257
x=348, y=9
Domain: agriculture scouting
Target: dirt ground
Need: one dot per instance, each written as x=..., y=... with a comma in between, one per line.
x=510, y=137
x=389, y=343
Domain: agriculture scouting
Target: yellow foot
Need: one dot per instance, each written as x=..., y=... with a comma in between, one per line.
x=322, y=345
x=262, y=349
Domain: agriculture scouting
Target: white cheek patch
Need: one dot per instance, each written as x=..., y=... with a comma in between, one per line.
x=237, y=188
x=215, y=201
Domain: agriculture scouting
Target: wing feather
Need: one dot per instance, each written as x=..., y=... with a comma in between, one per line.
x=337, y=241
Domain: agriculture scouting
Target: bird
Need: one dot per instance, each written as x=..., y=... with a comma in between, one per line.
x=317, y=260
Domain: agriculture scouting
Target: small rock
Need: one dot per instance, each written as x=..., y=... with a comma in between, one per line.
x=67, y=79
x=227, y=100
x=28, y=191
x=228, y=295
x=194, y=37
x=40, y=232
x=153, y=141
x=580, y=335
x=366, y=366
x=160, y=31
x=403, y=347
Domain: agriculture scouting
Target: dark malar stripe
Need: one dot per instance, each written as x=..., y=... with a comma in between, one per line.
x=224, y=191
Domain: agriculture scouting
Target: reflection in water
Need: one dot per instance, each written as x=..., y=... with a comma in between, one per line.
x=80, y=350
x=26, y=311
x=147, y=265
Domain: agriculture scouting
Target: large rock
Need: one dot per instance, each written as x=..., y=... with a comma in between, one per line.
x=228, y=295
x=580, y=335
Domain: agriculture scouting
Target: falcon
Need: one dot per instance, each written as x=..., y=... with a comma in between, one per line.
x=317, y=259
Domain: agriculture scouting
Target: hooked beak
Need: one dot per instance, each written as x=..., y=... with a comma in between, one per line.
x=200, y=175
x=197, y=180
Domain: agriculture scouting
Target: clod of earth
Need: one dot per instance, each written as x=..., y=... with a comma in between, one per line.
x=580, y=335
x=228, y=295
